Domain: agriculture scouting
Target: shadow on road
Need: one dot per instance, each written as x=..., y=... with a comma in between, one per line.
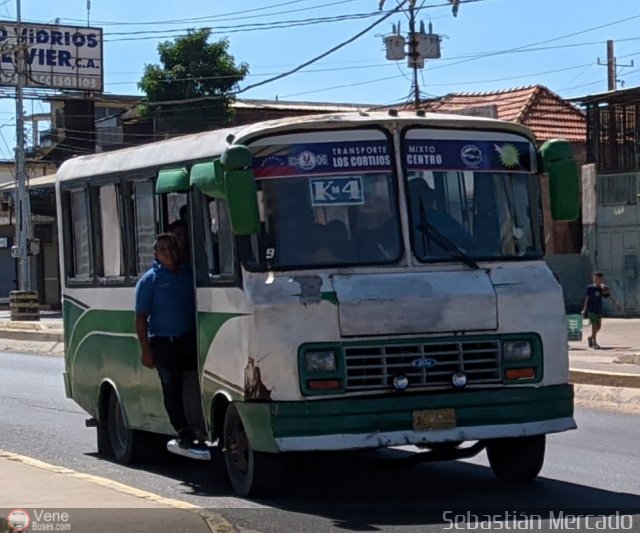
x=367, y=491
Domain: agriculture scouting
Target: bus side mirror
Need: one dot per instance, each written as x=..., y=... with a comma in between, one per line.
x=564, y=189
x=240, y=187
x=231, y=178
x=209, y=178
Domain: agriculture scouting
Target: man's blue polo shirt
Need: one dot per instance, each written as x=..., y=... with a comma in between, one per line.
x=167, y=297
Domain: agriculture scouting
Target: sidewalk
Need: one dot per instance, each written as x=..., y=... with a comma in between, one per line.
x=618, y=358
x=89, y=502
x=45, y=336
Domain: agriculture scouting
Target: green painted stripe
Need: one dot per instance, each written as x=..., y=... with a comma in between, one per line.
x=71, y=312
x=259, y=424
x=102, y=344
x=101, y=320
x=77, y=302
x=395, y=413
x=117, y=358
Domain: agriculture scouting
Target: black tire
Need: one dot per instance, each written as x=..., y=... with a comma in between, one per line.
x=127, y=445
x=518, y=459
x=249, y=472
x=103, y=439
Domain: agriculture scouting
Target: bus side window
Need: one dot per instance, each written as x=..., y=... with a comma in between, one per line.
x=111, y=222
x=221, y=253
x=77, y=238
x=144, y=222
x=174, y=207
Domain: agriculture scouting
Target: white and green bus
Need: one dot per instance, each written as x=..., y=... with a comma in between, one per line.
x=362, y=280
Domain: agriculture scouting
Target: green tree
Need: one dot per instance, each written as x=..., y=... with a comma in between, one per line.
x=202, y=73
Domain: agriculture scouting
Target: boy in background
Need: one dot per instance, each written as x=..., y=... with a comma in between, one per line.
x=592, y=307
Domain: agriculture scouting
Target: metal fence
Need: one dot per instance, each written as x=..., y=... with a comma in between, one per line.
x=618, y=189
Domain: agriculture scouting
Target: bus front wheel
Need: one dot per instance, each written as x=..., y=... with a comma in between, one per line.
x=516, y=459
x=250, y=472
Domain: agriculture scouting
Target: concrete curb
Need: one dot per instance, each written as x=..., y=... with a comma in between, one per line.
x=604, y=379
x=31, y=338
x=610, y=398
x=31, y=335
x=51, y=347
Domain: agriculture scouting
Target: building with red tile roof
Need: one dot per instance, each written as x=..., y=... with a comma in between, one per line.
x=538, y=108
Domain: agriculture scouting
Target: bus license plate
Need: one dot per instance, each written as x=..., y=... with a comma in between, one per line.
x=434, y=419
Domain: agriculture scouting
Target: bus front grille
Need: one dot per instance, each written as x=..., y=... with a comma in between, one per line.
x=371, y=368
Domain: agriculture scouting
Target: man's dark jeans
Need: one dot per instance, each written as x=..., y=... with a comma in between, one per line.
x=173, y=356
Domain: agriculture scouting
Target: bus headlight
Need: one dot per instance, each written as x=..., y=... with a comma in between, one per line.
x=324, y=361
x=517, y=350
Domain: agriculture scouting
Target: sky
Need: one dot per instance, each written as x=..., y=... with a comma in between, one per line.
x=491, y=45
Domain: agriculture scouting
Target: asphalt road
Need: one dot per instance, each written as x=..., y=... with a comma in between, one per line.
x=596, y=468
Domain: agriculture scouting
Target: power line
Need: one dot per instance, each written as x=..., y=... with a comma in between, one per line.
x=210, y=18
x=526, y=46
x=325, y=54
x=224, y=30
x=474, y=82
x=270, y=25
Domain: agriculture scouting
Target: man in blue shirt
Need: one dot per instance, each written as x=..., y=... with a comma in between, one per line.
x=165, y=325
x=592, y=307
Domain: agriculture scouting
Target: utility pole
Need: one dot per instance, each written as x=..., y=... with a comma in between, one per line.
x=414, y=56
x=23, y=302
x=612, y=67
x=23, y=218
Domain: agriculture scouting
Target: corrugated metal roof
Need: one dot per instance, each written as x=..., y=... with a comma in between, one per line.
x=538, y=108
x=297, y=106
x=41, y=181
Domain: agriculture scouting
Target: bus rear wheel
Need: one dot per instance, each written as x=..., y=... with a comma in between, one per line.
x=517, y=459
x=126, y=444
x=250, y=472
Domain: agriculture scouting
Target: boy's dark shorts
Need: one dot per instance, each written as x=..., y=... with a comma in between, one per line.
x=594, y=318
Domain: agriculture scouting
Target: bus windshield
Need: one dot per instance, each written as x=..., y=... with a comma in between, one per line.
x=296, y=233
x=326, y=204
x=471, y=195
x=485, y=215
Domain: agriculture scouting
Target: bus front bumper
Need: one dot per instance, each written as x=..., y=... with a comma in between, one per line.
x=401, y=419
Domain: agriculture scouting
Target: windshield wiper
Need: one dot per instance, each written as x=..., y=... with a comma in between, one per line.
x=432, y=232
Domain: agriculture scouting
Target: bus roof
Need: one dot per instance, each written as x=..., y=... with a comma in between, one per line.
x=209, y=144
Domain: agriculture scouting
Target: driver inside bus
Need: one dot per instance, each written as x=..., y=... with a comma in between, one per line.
x=427, y=213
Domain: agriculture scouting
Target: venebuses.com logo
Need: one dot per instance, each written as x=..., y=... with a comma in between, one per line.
x=18, y=520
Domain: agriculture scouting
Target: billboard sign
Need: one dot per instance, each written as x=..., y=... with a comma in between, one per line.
x=57, y=57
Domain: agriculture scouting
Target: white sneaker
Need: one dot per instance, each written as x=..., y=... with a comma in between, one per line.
x=200, y=453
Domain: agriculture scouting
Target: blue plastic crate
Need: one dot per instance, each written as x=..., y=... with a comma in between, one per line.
x=574, y=327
